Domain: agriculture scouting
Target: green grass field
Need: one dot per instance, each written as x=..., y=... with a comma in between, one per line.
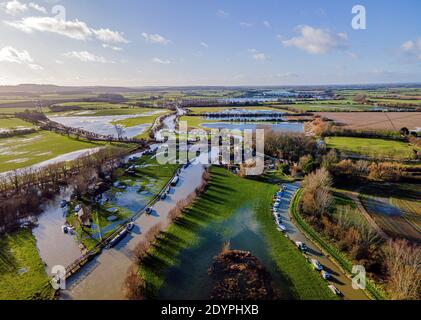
x=24, y=151
x=195, y=122
x=14, y=123
x=226, y=193
x=376, y=148
x=22, y=273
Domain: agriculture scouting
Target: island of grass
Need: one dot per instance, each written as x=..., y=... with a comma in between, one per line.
x=24, y=151
x=226, y=195
x=374, y=148
x=195, y=122
x=22, y=273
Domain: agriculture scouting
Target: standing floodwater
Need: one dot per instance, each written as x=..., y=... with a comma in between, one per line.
x=54, y=246
x=190, y=278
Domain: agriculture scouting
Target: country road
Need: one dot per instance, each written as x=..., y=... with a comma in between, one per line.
x=340, y=280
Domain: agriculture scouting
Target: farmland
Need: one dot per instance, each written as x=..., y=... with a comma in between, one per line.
x=24, y=151
x=374, y=148
x=376, y=120
x=11, y=123
x=394, y=208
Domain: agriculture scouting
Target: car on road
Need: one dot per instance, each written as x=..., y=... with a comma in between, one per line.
x=301, y=246
x=164, y=196
x=316, y=265
x=335, y=290
x=148, y=210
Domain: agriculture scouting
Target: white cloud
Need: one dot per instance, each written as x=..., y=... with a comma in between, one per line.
x=108, y=46
x=222, y=14
x=258, y=56
x=13, y=7
x=411, y=49
x=246, y=24
x=12, y=55
x=317, y=41
x=59, y=61
x=204, y=44
x=155, y=38
x=161, y=61
x=86, y=56
x=267, y=24
x=109, y=36
x=37, y=7
x=73, y=29
x=352, y=55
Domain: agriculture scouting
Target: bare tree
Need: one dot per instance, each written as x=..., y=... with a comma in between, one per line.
x=403, y=261
x=120, y=130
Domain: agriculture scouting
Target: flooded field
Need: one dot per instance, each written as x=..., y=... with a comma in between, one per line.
x=104, y=124
x=190, y=278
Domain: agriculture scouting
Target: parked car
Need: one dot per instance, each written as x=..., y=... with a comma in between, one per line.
x=326, y=275
x=130, y=226
x=175, y=181
x=316, y=265
x=335, y=290
x=63, y=203
x=301, y=246
x=164, y=196
x=148, y=210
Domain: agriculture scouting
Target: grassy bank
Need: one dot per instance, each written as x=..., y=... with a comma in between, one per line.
x=22, y=273
x=225, y=194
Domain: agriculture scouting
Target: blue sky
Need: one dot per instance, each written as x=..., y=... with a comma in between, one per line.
x=208, y=42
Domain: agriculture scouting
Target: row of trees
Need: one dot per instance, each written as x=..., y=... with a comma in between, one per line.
x=290, y=146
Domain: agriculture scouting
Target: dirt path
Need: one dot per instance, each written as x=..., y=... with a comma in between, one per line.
x=103, y=277
x=340, y=280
